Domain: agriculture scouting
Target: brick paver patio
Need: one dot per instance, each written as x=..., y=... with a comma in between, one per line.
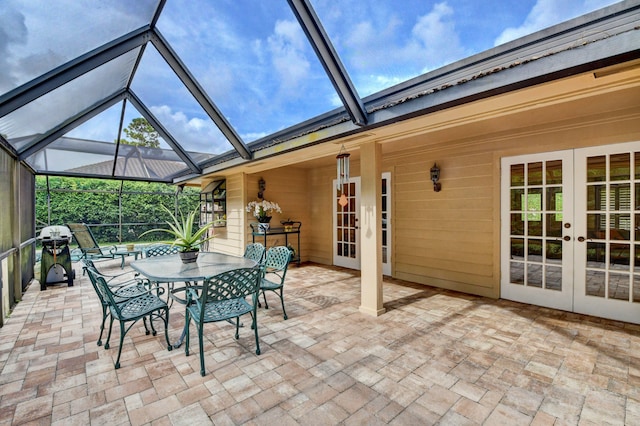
x=435, y=357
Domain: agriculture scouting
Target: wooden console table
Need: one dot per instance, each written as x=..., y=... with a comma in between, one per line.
x=293, y=229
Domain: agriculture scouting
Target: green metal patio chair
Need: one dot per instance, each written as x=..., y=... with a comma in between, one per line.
x=130, y=310
x=160, y=250
x=254, y=251
x=276, y=263
x=222, y=298
x=122, y=290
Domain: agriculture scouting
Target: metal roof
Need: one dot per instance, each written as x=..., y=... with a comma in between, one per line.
x=105, y=71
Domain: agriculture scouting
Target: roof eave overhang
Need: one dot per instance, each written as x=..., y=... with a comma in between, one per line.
x=436, y=92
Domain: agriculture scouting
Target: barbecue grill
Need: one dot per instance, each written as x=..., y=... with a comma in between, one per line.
x=55, y=262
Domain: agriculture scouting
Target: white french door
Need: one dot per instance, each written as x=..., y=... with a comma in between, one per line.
x=571, y=230
x=386, y=223
x=608, y=240
x=346, y=235
x=537, y=229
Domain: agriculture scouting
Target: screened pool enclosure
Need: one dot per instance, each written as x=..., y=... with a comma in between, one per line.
x=226, y=84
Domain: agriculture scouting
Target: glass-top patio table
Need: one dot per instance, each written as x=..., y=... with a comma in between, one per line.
x=170, y=269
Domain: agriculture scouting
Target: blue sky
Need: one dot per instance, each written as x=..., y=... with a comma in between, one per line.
x=253, y=59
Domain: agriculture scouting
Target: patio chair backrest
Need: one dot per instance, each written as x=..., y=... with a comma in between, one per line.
x=160, y=250
x=93, y=274
x=107, y=295
x=226, y=286
x=277, y=260
x=254, y=251
x=234, y=284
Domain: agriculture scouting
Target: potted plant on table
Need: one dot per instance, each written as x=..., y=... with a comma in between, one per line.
x=262, y=211
x=186, y=234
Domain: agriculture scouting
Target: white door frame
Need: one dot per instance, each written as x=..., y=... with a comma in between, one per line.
x=347, y=226
x=608, y=283
x=530, y=276
x=354, y=263
x=600, y=232
x=385, y=208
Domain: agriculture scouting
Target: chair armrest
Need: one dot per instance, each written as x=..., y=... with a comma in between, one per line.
x=138, y=289
x=109, y=277
x=191, y=295
x=137, y=282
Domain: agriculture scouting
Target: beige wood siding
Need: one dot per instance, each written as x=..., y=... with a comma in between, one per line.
x=289, y=187
x=443, y=238
x=229, y=239
x=449, y=239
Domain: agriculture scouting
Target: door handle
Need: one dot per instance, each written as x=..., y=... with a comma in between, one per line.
x=567, y=238
x=581, y=239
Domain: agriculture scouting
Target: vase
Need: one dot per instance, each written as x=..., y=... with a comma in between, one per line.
x=264, y=219
x=189, y=256
x=263, y=223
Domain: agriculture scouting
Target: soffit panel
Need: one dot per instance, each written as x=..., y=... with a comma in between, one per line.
x=564, y=103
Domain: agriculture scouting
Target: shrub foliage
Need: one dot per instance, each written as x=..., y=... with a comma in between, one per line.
x=116, y=211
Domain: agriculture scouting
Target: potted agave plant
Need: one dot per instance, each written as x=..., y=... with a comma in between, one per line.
x=186, y=234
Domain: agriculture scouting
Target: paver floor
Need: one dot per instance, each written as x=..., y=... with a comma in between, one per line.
x=435, y=357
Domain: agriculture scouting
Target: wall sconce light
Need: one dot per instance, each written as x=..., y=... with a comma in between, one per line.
x=262, y=185
x=343, y=173
x=435, y=177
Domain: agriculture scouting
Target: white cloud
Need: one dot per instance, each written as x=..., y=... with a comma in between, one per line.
x=435, y=38
x=386, y=52
x=13, y=31
x=546, y=13
x=286, y=46
x=194, y=134
x=376, y=83
x=46, y=34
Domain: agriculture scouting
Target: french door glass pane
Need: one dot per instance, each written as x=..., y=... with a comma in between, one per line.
x=620, y=167
x=534, y=174
x=517, y=174
x=536, y=224
x=597, y=169
x=554, y=172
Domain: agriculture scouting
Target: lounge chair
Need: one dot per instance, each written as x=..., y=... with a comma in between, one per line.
x=88, y=245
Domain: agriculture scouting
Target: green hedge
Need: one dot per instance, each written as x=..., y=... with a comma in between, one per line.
x=96, y=202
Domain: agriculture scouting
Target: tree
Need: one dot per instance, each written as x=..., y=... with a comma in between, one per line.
x=140, y=133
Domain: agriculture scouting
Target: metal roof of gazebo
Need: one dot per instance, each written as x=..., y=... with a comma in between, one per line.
x=98, y=71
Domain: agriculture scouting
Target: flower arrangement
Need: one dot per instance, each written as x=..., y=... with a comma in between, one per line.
x=262, y=209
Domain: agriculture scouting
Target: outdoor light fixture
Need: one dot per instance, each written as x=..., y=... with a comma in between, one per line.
x=262, y=185
x=435, y=176
x=343, y=173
